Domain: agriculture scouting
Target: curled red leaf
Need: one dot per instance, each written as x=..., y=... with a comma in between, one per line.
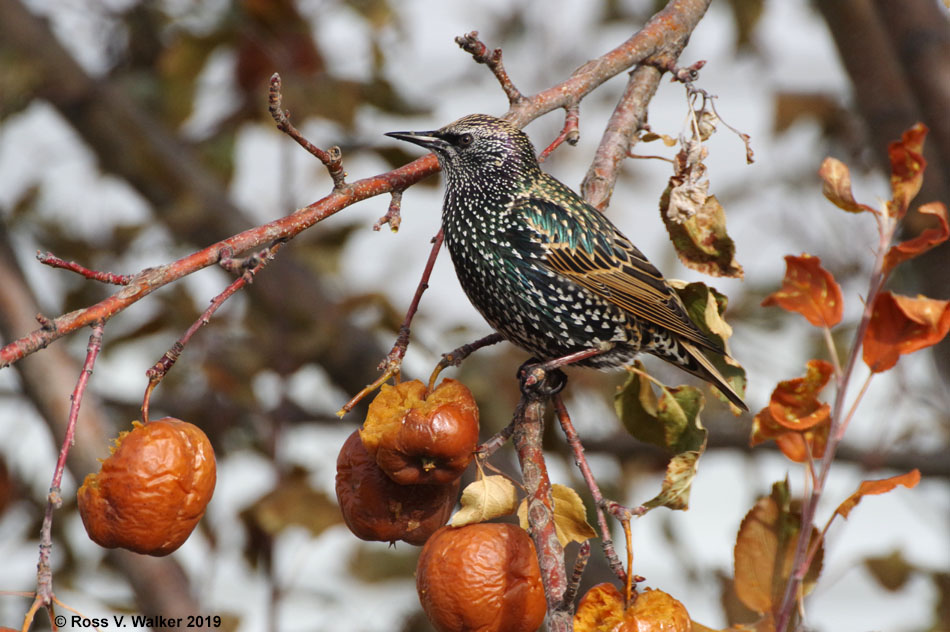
x=923, y=242
x=794, y=403
x=907, y=168
x=902, y=324
x=795, y=418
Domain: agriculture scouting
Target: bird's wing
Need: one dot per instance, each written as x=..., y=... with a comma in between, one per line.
x=585, y=247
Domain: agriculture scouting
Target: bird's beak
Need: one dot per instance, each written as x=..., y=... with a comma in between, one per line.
x=429, y=140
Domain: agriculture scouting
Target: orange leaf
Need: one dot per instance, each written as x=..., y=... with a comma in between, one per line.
x=794, y=418
x=907, y=168
x=796, y=446
x=900, y=325
x=809, y=290
x=794, y=403
x=922, y=242
x=869, y=488
x=836, y=186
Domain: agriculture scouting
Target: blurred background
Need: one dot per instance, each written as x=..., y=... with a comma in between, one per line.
x=133, y=133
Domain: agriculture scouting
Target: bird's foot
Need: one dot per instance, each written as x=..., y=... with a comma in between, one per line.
x=539, y=381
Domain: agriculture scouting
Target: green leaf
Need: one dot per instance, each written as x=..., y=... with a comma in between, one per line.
x=671, y=422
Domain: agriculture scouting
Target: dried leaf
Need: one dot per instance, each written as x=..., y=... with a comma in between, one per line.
x=836, y=186
x=635, y=403
x=882, y=486
x=907, y=169
x=570, y=516
x=484, y=499
x=696, y=223
x=746, y=15
x=649, y=137
x=293, y=501
x=764, y=551
x=900, y=325
x=922, y=242
x=823, y=108
x=809, y=290
x=680, y=472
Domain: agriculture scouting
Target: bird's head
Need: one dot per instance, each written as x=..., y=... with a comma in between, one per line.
x=477, y=143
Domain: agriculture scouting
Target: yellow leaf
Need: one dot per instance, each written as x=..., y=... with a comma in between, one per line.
x=485, y=499
x=570, y=516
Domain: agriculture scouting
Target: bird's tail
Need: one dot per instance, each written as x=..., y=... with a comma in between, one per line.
x=690, y=359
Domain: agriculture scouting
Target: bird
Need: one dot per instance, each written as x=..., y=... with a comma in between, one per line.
x=547, y=270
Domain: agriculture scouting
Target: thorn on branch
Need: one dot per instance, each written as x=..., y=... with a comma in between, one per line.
x=53, y=261
x=45, y=323
x=392, y=216
x=332, y=158
x=480, y=53
x=569, y=133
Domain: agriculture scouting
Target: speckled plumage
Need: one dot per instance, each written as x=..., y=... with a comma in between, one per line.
x=547, y=270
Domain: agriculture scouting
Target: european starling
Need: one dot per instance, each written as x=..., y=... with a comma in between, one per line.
x=547, y=270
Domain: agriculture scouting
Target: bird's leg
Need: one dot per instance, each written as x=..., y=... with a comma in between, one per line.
x=527, y=369
x=456, y=356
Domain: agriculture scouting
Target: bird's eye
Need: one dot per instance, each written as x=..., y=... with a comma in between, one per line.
x=465, y=140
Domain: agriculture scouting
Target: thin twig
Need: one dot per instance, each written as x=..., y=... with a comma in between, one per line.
x=392, y=216
x=44, y=573
x=332, y=158
x=577, y=448
x=580, y=564
x=479, y=52
x=500, y=438
x=569, y=132
x=392, y=363
x=53, y=261
x=251, y=265
x=887, y=227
